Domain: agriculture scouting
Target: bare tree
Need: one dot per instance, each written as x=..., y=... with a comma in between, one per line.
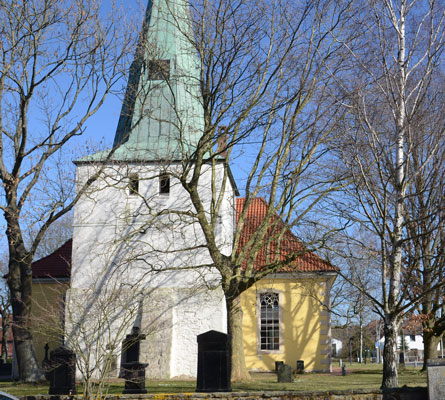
x=357, y=257
x=59, y=61
x=264, y=68
x=394, y=70
x=425, y=219
x=360, y=276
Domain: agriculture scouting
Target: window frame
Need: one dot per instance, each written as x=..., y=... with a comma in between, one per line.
x=133, y=184
x=164, y=190
x=280, y=348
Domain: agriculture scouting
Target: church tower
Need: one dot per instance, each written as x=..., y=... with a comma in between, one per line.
x=138, y=255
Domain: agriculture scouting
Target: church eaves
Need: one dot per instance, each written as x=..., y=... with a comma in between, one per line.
x=162, y=115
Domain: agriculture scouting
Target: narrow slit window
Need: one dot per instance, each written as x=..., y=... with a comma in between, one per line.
x=133, y=185
x=269, y=322
x=164, y=184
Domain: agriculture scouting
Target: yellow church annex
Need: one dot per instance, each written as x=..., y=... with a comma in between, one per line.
x=282, y=321
x=285, y=315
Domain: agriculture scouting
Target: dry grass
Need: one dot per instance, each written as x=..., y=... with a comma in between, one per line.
x=358, y=377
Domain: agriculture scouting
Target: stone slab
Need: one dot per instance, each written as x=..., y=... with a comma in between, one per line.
x=436, y=379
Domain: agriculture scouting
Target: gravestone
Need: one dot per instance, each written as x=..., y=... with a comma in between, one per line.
x=300, y=366
x=132, y=370
x=131, y=346
x=62, y=371
x=5, y=370
x=213, y=362
x=46, y=364
x=277, y=365
x=284, y=373
x=436, y=379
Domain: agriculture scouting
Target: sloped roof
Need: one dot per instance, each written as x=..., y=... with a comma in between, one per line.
x=56, y=265
x=162, y=115
x=288, y=245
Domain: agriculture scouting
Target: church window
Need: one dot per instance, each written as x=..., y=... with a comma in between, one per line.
x=164, y=184
x=269, y=321
x=133, y=185
x=158, y=70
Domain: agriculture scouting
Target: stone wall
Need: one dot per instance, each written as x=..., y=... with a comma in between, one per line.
x=417, y=393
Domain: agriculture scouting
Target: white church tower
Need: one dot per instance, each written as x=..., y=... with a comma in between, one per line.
x=138, y=259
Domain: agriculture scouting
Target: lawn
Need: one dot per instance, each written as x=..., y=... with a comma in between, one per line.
x=358, y=376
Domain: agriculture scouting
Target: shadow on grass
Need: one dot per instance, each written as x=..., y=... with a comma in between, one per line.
x=355, y=378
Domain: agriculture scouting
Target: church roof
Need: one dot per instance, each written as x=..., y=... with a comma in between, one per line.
x=307, y=261
x=57, y=265
x=162, y=115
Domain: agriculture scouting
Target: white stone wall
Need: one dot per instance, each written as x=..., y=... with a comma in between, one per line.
x=134, y=243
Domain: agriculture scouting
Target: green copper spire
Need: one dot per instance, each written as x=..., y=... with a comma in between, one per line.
x=162, y=114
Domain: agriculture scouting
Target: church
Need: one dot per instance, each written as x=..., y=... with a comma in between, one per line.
x=138, y=260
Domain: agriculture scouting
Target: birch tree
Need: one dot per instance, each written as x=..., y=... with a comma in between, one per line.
x=58, y=62
x=393, y=79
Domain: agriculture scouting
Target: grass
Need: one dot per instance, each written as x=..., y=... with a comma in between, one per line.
x=359, y=376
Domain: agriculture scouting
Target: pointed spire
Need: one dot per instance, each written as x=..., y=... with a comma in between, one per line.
x=162, y=114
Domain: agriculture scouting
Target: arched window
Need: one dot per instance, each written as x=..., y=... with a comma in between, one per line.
x=269, y=321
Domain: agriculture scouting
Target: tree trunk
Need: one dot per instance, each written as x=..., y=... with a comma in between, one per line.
x=5, y=336
x=29, y=370
x=20, y=286
x=430, y=342
x=235, y=329
x=361, y=338
x=390, y=374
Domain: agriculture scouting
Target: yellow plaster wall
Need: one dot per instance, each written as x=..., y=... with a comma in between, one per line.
x=305, y=325
x=47, y=315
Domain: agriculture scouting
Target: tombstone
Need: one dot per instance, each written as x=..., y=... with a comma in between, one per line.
x=131, y=346
x=343, y=370
x=435, y=369
x=131, y=369
x=62, y=371
x=284, y=373
x=46, y=364
x=300, y=366
x=5, y=369
x=277, y=365
x=213, y=362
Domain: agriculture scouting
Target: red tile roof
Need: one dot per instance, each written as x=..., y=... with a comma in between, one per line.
x=288, y=245
x=56, y=265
